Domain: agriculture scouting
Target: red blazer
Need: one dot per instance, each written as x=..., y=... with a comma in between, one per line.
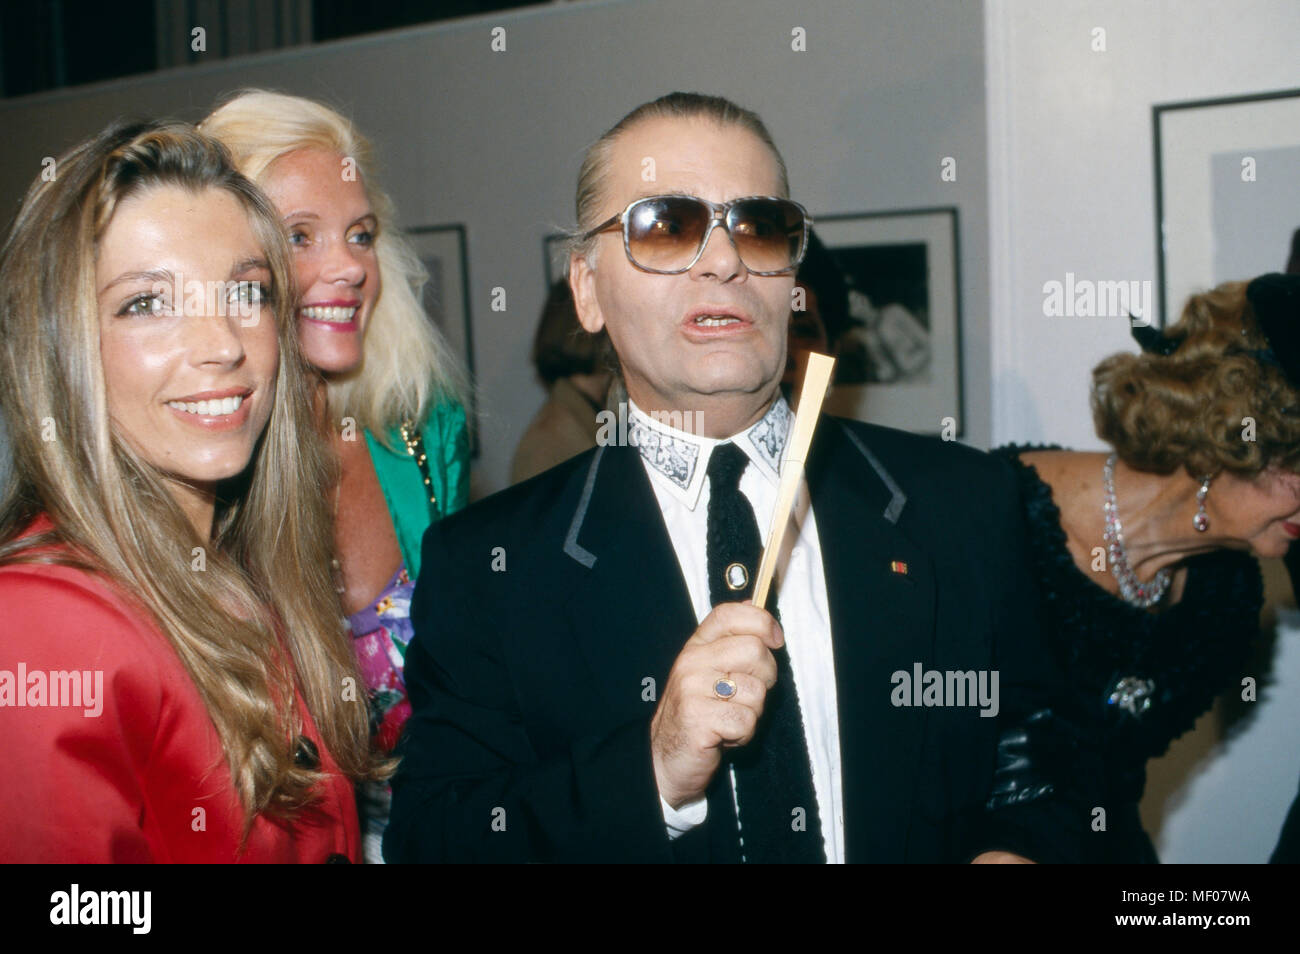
x=135, y=772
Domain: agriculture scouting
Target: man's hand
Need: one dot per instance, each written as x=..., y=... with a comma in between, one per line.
x=1000, y=858
x=691, y=725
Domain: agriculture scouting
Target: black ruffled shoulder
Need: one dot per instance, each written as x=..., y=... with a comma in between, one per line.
x=1143, y=678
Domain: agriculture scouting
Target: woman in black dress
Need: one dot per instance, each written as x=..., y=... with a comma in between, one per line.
x=1146, y=554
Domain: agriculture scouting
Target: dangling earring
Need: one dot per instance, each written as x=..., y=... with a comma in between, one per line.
x=1202, y=520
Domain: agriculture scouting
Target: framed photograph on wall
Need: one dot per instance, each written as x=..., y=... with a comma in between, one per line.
x=899, y=362
x=1227, y=200
x=442, y=250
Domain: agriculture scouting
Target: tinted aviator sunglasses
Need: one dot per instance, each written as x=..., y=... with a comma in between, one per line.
x=667, y=234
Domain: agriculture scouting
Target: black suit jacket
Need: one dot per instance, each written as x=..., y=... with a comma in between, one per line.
x=548, y=616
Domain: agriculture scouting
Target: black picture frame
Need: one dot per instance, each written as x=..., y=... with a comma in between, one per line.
x=443, y=250
x=1186, y=137
x=923, y=244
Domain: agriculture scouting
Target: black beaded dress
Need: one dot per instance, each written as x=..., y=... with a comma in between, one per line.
x=1141, y=678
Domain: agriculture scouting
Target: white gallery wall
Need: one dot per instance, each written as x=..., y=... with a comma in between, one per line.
x=1072, y=190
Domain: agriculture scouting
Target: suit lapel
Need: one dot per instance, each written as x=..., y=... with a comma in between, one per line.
x=881, y=590
x=630, y=611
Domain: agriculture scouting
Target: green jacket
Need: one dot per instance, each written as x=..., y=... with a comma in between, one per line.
x=446, y=444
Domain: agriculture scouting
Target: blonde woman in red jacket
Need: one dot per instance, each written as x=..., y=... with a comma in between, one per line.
x=176, y=683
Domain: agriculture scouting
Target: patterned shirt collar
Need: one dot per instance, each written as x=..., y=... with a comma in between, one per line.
x=679, y=460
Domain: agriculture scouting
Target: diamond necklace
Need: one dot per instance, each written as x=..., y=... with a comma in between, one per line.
x=1131, y=589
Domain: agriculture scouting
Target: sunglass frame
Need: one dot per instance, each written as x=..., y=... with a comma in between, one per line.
x=720, y=212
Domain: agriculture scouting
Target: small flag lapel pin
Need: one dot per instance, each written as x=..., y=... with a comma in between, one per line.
x=898, y=566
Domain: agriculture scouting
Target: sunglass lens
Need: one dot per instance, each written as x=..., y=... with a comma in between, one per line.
x=664, y=233
x=768, y=233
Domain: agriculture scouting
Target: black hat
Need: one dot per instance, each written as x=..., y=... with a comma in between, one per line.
x=1276, y=300
x=1153, y=340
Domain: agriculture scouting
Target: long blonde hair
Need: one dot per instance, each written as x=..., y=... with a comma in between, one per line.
x=405, y=363
x=266, y=588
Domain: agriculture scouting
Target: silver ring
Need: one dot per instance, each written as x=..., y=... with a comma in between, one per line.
x=725, y=689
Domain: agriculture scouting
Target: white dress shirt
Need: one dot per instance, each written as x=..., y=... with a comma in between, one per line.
x=677, y=463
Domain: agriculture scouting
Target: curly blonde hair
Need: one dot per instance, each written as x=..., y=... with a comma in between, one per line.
x=1193, y=408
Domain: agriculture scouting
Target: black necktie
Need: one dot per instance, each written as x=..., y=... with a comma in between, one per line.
x=774, y=787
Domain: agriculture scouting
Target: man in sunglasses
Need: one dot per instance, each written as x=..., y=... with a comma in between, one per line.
x=588, y=680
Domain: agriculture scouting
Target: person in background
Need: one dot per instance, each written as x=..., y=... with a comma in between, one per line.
x=171, y=651
x=388, y=389
x=574, y=366
x=824, y=315
x=1146, y=554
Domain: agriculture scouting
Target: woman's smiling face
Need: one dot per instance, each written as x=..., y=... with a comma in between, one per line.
x=331, y=229
x=189, y=351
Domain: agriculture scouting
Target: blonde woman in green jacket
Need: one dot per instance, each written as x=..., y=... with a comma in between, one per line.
x=390, y=392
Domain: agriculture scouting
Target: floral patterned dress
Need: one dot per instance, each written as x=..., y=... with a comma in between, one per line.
x=381, y=632
x=423, y=473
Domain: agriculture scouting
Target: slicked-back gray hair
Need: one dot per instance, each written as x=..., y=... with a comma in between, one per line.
x=595, y=163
